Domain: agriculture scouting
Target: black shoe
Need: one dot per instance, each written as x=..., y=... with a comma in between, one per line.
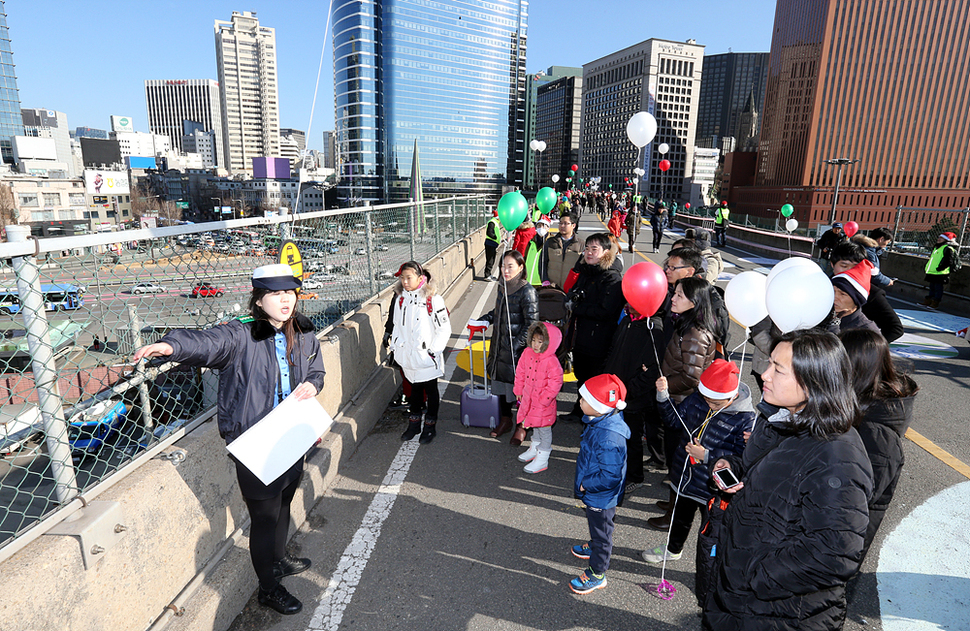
x=280, y=600
x=289, y=565
x=570, y=418
x=428, y=434
x=414, y=426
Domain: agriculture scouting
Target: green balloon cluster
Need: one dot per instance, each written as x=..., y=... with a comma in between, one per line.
x=787, y=210
x=546, y=200
x=512, y=210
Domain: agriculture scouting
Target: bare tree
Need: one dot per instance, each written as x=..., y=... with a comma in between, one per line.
x=143, y=203
x=8, y=209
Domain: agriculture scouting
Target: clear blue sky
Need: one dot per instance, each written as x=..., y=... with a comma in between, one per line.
x=90, y=60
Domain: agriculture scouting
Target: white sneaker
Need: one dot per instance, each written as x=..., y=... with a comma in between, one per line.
x=530, y=454
x=659, y=554
x=541, y=462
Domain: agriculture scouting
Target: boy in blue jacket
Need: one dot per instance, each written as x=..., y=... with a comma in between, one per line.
x=600, y=472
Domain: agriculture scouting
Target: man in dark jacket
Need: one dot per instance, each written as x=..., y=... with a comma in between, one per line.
x=562, y=251
x=633, y=357
x=827, y=242
x=877, y=308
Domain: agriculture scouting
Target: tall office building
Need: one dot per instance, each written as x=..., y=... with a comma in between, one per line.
x=534, y=82
x=655, y=76
x=248, y=90
x=450, y=76
x=11, y=123
x=559, y=112
x=847, y=79
x=44, y=123
x=171, y=102
x=733, y=84
x=329, y=150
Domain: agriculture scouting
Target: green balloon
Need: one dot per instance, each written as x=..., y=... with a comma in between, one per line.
x=787, y=210
x=512, y=210
x=571, y=173
x=546, y=200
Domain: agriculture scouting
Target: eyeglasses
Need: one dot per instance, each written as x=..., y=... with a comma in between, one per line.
x=670, y=267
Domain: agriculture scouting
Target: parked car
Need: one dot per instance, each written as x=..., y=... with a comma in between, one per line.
x=206, y=289
x=380, y=247
x=360, y=251
x=312, y=283
x=147, y=288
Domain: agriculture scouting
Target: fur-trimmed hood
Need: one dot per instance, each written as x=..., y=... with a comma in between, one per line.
x=428, y=289
x=864, y=241
x=609, y=257
x=262, y=329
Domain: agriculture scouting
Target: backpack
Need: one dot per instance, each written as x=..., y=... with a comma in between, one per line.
x=957, y=263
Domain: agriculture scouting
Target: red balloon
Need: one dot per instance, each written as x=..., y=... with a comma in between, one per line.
x=575, y=167
x=645, y=287
x=850, y=228
x=664, y=165
x=687, y=206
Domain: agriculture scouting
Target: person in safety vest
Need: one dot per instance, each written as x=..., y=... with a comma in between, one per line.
x=942, y=261
x=493, y=238
x=533, y=253
x=721, y=222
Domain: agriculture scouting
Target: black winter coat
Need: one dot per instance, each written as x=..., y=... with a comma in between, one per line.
x=637, y=343
x=523, y=310
x=882, y=429
x=597, y=300
x=883, y=315
x=793, y=534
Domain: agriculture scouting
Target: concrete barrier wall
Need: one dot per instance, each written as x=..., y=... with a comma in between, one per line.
x=179, y=516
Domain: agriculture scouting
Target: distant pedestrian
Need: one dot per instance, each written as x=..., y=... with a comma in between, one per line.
x=828, y=242
x=722, y=219
x=943, y=259
x=600, y=472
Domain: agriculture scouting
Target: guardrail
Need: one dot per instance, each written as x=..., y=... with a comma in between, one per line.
x=75, y=414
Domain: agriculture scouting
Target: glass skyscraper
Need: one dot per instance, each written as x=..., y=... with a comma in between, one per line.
x=11, y=124
x=449, y=75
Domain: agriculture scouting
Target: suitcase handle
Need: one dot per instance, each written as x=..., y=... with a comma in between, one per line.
x=472, y=330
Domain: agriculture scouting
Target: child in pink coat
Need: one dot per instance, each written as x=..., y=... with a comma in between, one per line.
x=538, y=380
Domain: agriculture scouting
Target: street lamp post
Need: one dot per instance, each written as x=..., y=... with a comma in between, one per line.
x=840, y=162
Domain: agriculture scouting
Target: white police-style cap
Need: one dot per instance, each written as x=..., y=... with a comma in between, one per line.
x=277, y=277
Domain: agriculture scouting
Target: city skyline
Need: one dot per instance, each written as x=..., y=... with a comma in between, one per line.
x=112, y=88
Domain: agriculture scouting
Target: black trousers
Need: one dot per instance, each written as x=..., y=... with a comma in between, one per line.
x=268, y=532
x=601, y=526
x=585, y=366
x=490, y=251
x=658, y=232
x=682, y=521
x=421, y=390
x=634, y=446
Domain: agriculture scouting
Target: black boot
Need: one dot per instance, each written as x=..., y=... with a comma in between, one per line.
x=428, y=434
x=289, y=565
x=280, y=600
x=414, y=426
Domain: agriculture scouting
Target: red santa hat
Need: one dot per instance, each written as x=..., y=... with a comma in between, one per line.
x=948, y=236
x=604, y=393
x=856, y=281
x=721, y=380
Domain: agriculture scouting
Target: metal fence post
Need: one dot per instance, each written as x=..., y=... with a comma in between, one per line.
x=146, y=402
x=454, y=221
x=467, y=218
x=963, y=231
x=899, y=212
x=369, y=244
x=45, y=372
x=437, y=230
x=412, y=228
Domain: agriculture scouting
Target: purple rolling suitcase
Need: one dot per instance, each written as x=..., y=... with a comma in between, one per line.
x=479, y=407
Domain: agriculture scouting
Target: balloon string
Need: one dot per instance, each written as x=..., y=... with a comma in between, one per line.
x=653, y=346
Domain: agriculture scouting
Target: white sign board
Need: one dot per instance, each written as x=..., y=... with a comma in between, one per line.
x=99, y=182
x=122, y=123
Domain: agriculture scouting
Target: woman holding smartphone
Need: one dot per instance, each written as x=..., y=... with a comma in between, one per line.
x=794, y=531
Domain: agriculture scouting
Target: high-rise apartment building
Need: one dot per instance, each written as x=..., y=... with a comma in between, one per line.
x=11, y=123
x=248, y=90
x=44, y=123
x=559, y=112
x=171, y=102
x=842, y=83
x=449, y=76
x=656, y=76
x=533, y=83
x=733, y=83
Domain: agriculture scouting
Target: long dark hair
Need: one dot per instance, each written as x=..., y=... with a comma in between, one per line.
x=698, y=291
x=823, y=370
x=289, y=327
x=874, y=374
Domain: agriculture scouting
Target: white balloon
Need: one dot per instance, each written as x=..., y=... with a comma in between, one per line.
x=745, y=298
x=534, y=144
x=795, y=261
x=663, y=148
x=799, y=298
x=542, y=146
x=791, y=225
x=555, y=178
x=641, y=128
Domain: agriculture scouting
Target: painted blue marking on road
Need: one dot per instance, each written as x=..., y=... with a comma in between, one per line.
x=932, y=320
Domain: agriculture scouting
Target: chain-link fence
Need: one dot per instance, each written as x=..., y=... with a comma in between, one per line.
x=74, y=410
x=916, y=229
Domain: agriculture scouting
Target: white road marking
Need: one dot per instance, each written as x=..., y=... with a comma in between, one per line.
x=343, y=583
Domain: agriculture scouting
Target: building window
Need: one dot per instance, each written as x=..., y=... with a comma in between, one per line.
x=28, y=200
x=52, y=199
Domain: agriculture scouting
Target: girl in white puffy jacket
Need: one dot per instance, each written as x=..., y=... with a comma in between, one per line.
x=419, y=337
